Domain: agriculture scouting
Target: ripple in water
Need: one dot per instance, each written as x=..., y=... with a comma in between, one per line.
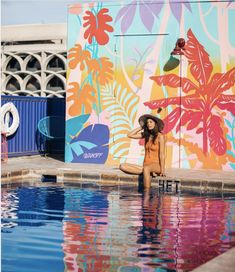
x=112, y=229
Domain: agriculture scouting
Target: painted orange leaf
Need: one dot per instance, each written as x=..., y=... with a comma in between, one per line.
x=102, y=70
x=97, y=26
x=77, y=55
x=82, y=98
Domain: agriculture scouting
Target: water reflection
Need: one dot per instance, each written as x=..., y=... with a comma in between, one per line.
x=182, y=232
x=113, y=229
x=125, y=230
x=31, y=206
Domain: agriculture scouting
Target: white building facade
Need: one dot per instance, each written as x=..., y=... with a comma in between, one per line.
x=33, y=60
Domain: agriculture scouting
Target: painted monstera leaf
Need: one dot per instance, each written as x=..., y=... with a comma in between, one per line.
x=91, y=145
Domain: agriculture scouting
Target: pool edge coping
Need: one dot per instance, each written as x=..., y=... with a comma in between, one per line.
x=78, y=176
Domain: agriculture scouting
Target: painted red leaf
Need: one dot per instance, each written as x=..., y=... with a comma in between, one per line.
x=175, y=81
x=97, y=25
x=191, y=118
x=162, y=103
x=227, y=97
x=184, y=119
x=215, y=134
x=221, y=82
x=186, y=101
x=171, y=120
x=170, y=80
x=188, y=85
x=229, y=106
x=200, y=64
x=195, y=119
x=192, y=102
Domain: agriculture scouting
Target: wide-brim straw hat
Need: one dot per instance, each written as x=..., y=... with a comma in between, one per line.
x=158, y=121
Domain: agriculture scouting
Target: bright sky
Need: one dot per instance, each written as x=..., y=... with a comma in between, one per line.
x=36, y=11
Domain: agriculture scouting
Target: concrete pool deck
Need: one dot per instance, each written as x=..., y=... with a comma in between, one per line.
x=36, y=166
x=33, y=168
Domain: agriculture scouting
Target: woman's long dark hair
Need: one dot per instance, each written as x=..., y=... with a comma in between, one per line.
x=154, y=132
x=147, y=133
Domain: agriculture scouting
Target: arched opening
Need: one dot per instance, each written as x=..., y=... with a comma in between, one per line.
x=33, y=65
x=33, y=85
x=55, y=84
x=55, y=64
x=13, y=85
x=13, y=65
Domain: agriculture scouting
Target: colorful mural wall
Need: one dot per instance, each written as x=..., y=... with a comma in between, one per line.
x=120, y=66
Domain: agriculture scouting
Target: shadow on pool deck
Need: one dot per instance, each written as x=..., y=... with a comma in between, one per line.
x=36, y=166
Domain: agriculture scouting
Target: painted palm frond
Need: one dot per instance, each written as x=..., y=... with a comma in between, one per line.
x=122, y=105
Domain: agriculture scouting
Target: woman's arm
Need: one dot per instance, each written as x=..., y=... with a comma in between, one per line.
x=162, y=154
x=135, y=133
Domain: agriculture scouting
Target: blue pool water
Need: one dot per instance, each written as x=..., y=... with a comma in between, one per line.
x=110, y=228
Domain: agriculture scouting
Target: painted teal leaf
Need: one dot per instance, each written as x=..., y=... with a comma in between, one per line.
x=232, y=165
x=87, y=145
x=230, y=138
x=76, y=147
x=68, y=153
x=229, y=152
x=228, y=123
x=74, y=125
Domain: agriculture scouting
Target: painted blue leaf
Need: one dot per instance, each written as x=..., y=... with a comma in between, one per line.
x=228, y=123
x=232, y=165
x=87, y=145
x=76, y=148
x=94, y=141
x=229, y=138
x=68, y=153
x=231, y=153
x=74, y=125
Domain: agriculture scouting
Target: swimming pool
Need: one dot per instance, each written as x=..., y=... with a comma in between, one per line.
x=109, y=228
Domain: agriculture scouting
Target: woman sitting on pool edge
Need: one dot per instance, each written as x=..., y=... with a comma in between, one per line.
x=154, y=159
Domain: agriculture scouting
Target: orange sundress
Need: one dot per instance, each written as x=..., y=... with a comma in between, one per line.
x=151, y=152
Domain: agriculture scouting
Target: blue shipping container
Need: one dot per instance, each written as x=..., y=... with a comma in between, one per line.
x=27, y=140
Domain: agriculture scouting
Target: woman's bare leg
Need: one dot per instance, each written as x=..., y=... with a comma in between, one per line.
x=148, y=169
x=131, y=168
